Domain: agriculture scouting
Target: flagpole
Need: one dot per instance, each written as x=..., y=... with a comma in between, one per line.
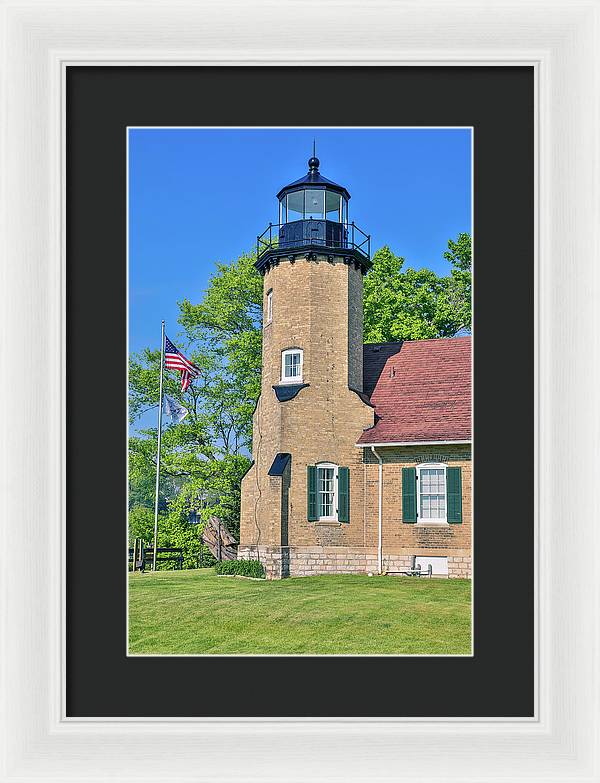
x=160, y=406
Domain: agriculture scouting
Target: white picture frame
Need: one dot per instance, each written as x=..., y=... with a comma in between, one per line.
x=559, y=38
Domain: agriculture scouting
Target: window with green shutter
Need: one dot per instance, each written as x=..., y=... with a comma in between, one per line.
x=454, y=495
x=409, y=495
x=343, y=495
x=328, y=492
x=311, y=492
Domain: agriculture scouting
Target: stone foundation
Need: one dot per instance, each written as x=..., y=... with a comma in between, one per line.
x=459, y=567
x=281, y=562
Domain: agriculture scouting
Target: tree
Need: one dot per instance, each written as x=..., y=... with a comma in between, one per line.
x=459, y=252
x=459, y=285
x=204, y=457
x=172, y=532
x=410, y=304
x=228, y=323
x=141, y=524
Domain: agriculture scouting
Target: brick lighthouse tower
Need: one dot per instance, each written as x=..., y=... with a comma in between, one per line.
x=302, y=499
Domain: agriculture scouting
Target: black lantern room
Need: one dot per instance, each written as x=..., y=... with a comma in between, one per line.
x=313, y=217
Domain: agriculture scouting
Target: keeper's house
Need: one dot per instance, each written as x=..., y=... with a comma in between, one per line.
x=361, y=453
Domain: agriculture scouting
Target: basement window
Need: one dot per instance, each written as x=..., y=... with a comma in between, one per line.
x=439, y=565
x=291, y=366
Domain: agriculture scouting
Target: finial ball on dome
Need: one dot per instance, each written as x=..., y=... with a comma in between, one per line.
x=313, y=163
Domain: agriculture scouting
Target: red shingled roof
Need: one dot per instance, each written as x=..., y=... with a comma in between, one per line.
x=421, y=390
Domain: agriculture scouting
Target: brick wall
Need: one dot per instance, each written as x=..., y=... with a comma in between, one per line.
x=423, y=539
x=355, y=329
x=316, y=305
x=352, y=548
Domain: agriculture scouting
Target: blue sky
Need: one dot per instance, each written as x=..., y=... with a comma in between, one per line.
x=197, y=196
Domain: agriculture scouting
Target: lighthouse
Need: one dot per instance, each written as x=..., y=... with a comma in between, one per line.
x=304, y=491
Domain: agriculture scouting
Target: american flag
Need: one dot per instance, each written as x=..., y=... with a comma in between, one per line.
x=175, y=360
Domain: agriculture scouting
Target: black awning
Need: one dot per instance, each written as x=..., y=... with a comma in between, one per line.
x=287, y=391
x=279, y=464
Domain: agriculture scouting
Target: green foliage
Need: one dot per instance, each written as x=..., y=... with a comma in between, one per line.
x=204, y=457
x=232, y=305
x=141, y=524
x=459, y=252
x=410, y=304
x=178, y=533
x=253, y=568
x=228, y=323
x=142, y=474
x=208, y=560
x=460, y=285
x=173, y=531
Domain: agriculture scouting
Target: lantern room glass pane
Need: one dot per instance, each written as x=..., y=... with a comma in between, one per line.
x=332, y=206
x=282, y=210
x=295, y=206
x=314, y=204
x=344, y=211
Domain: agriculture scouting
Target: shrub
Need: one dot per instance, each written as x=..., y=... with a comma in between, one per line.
x=252, y=568
x=208, y=560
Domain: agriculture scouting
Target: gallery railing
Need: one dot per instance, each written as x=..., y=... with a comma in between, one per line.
x=328, y=234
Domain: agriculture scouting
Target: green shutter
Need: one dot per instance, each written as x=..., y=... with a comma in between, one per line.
x=311, y=492
x=409, y=495
x=343, y=495
x=454, y=495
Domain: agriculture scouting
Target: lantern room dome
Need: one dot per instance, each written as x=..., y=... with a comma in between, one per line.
x=314, y=178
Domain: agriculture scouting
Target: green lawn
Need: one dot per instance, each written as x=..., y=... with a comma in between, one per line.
x=199, y=612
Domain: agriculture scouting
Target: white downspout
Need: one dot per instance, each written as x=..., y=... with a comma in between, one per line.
x=379, y=513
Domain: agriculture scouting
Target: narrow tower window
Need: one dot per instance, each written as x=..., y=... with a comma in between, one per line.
x=291, y=366
x=269, y=306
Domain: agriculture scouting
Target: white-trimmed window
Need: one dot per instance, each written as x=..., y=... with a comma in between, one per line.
x=291, y=366
x=269, y=315
x=327, y=479
x=431, y=488
x=327, y=493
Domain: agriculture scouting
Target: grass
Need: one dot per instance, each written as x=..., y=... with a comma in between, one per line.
x=187, y=612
